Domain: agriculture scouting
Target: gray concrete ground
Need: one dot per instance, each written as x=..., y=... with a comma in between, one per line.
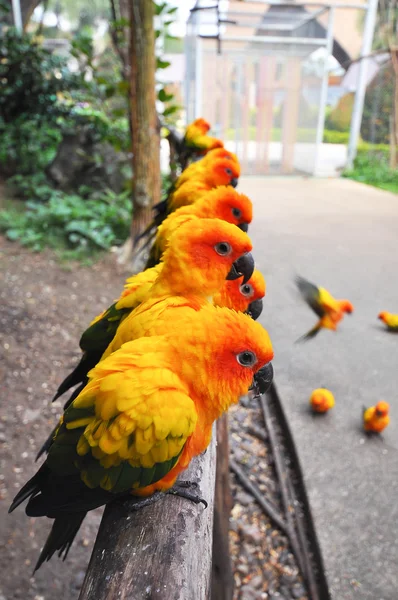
x=342, y=235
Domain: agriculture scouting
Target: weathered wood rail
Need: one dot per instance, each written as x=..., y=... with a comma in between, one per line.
x=163, y=551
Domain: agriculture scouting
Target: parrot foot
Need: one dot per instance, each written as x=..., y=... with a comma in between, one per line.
x=134, y=504
x=181, y=489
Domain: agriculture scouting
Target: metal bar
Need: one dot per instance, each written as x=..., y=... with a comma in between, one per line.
x=310, y=17
x=198, y=79
x=17, y=14
x=270, y=39
x=310, y=3
x=324, y=89
x=357, y=110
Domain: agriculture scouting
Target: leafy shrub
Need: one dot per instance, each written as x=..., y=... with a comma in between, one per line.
x=68, y=221
x=374, y=169
x=339, y=118
x=378, y=107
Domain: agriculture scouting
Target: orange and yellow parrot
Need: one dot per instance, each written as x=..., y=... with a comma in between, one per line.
x=390, y=320
x=321, y=400
x=198, y=166
x=196, y=137
x=329, y=310
x=201, y=254
x=224, y=202
x=244, y=297
x=376, y=418
x=147, y=410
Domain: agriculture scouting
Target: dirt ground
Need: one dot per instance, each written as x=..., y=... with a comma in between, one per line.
x=43, y=309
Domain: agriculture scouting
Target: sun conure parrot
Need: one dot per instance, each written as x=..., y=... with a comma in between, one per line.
x=223, y=202
x=389, y=319
x=321, y=400
x=329, y=310
x=147, y=410
x=200, y=256
x=376, y=418
x=196, y=137
x=196, y=167
x=245, y=297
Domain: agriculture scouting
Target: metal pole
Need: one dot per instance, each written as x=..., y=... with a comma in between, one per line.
x=16, y=11
x=324, y=88
x=356, y=119
x=198, y=78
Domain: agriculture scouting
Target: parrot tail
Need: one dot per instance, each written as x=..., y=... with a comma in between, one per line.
x=61, y=536
x=46, y=446
x=310, y=334
x=79, y=373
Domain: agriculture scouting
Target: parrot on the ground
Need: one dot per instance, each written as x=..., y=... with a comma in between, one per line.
x=321, y=400
x=329, y=310
x=390, y=320
x=147, y=410
x=376, y=418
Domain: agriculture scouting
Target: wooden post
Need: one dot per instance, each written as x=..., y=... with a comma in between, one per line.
x=144, y=123
x=222, y=584
x=162, y=551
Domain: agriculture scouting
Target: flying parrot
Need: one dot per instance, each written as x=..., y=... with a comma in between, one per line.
x=200, y=256
x=389, y=319
x=329, y=310
x=223, y=202
x=146, y=411
x=321, y=400
x=376, y=418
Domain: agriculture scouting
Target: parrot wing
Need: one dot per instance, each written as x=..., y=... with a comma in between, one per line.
x=310, y=334
x=310, y=294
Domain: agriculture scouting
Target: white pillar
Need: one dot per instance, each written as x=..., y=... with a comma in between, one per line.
x=356, y=119
x=16, y=11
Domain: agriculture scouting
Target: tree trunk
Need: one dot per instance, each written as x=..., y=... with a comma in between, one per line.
x=222, y=581
x=144, y=129
x=394, y=114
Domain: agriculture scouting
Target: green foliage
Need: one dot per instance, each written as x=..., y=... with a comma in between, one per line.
x=70, y=222
x=378, y=107
x=339, y=118
x=31, y=78
x=373, y=169
x=335, y=137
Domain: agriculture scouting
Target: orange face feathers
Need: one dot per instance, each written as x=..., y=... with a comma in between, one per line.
x=238, y=295
x=382, y=408
x=219, y=153
x=222, y=172
x=225, y=203
x=346, y=306
x=200, y=254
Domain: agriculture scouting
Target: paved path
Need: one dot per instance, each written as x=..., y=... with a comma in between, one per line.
x=342, y=235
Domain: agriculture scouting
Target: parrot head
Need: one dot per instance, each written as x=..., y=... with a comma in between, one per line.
x=346, y=306
x=202, y=253
x=383, y=316
x=199, y=126
x=243, y=296
x=217, y=153
x=222, y=172
x=231, y=348
x=382, y=408
x=321, y=400
x=227, y=204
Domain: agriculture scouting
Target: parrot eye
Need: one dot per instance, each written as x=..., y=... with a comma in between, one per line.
x=246, y=289
x=246, y=358
x=228, y=171
x=237, y=213
x=223, y=248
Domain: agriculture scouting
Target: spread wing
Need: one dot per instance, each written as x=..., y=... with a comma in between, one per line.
x=311, y=295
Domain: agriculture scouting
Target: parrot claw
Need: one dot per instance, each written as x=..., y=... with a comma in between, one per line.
x=133, y=504
x=180, y=489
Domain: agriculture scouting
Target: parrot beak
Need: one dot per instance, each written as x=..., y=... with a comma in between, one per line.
x=234, y=182
x=255, y=309
x=244, y=266
x=262, y=380
x=244, y=227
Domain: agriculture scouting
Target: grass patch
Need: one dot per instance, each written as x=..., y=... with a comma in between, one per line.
x=373, y=169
